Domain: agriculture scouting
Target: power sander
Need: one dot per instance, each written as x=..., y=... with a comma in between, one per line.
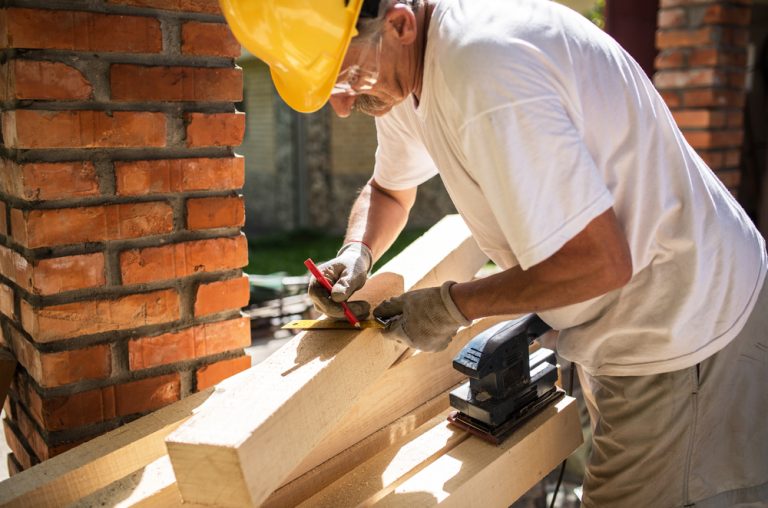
x=507, y=385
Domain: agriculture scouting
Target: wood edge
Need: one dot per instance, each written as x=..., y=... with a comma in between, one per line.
x=476, y=466
x=460, y=247
x=313, y=481
x=86, y=468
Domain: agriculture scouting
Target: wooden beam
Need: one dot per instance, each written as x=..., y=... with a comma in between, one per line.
x=403, y=389
x=315, y=480
x=393, y=455
x=416, y=444
x=376, y=477
x=99, y=462
x=154, y=486
x=440, y=465
x=248, y=439
x=476, y=470
x=381, y=417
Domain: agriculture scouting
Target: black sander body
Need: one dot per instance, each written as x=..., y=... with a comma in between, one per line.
x=507, y=384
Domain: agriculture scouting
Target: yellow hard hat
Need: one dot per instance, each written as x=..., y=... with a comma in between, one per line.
x=302, y=41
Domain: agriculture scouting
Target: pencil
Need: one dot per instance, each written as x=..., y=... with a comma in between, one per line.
x=327, y=285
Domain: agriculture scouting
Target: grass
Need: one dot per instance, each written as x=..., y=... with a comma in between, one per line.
x=286, y=252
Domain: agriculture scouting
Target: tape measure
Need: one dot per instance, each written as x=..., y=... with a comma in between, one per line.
x=329, y=324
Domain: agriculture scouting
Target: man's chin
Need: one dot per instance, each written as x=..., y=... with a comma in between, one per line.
x=379, y=112
x=374, y=106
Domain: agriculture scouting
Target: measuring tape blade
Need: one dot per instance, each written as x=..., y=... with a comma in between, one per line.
x=328, y=324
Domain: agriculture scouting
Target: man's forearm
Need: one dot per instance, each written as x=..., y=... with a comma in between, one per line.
x=378, y=216
x=593, y=263
x=515, y=291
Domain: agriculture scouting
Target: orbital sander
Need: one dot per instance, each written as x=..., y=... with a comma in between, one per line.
x=507, y=385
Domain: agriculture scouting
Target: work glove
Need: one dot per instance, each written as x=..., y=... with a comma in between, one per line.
x=347, y=273
x=424, y=319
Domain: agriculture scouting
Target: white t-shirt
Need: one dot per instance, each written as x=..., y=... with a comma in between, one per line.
x=538, y=122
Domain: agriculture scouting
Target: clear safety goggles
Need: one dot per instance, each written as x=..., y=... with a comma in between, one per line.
x=360, y=76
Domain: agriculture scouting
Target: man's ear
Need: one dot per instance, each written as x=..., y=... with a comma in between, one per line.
x=401, y=22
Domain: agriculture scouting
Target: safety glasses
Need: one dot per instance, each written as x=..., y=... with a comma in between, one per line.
x=359, y=76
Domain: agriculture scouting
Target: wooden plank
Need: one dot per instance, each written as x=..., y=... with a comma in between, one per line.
x=478, y=474
x=413, y=450
x=329, y=471
x=417, y=378
x=154, y=486
x=99, y=462
x=247, y=440
x=366, y=430
x=400, y=390
x=438, y=464
x=375, y=478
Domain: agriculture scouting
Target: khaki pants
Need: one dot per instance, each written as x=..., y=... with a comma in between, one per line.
x=693, y=437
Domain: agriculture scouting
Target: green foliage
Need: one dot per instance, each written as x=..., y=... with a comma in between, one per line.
x=286, y=252
x=597, y=13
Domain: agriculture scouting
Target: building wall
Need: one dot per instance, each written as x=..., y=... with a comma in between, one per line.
x=702, y=76
x=264, y=202
x=335, y=167
x=352, y=153
x=353, y=144
x=120, y=213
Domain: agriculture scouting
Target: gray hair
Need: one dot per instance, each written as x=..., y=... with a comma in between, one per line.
x=370, y=28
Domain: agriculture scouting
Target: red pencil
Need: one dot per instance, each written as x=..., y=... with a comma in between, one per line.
x=327, y=285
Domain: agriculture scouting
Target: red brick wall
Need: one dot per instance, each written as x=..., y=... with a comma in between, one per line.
x=701, y=74
x=120, y=213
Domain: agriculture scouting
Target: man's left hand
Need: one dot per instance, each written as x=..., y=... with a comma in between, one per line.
x=424, y=319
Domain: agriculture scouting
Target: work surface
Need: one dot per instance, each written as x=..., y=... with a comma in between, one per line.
x=430, y=465
x=328, y=420
x=437, y=464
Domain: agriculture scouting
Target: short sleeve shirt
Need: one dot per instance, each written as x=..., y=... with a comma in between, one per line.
x=538, y=122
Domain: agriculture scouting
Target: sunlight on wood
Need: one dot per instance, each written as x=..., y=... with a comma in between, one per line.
x=413, y=453
x=153, y=475
x=433, y=486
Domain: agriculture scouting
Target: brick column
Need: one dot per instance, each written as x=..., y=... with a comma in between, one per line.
x=120, y=216
x=702, y=73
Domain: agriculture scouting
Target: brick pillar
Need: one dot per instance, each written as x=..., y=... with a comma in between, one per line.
x=702, y=76
x=120, y=216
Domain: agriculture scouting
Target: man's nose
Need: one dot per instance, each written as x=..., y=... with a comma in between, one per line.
x=342, y=104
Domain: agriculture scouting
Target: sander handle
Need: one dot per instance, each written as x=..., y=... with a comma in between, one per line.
x=487, y=350
x=535, y=328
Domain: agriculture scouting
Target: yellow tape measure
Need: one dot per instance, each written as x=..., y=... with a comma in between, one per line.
x=328, y=324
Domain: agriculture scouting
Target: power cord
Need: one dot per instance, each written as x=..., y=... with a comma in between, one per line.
x=569, y=391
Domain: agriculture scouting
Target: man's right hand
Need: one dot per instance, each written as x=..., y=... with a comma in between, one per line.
x=347, y=273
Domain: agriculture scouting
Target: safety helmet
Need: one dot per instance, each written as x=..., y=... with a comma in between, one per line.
x=302, y=41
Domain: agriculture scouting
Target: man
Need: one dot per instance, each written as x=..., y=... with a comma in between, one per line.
x=573, y=177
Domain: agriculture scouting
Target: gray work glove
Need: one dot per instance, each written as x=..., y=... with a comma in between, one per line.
x=424, y=319
x=347, y=272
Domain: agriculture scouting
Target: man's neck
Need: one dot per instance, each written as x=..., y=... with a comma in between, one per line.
x=424, y=17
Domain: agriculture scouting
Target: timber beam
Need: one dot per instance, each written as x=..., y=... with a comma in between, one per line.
x=438, y=464
x=245, y=441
